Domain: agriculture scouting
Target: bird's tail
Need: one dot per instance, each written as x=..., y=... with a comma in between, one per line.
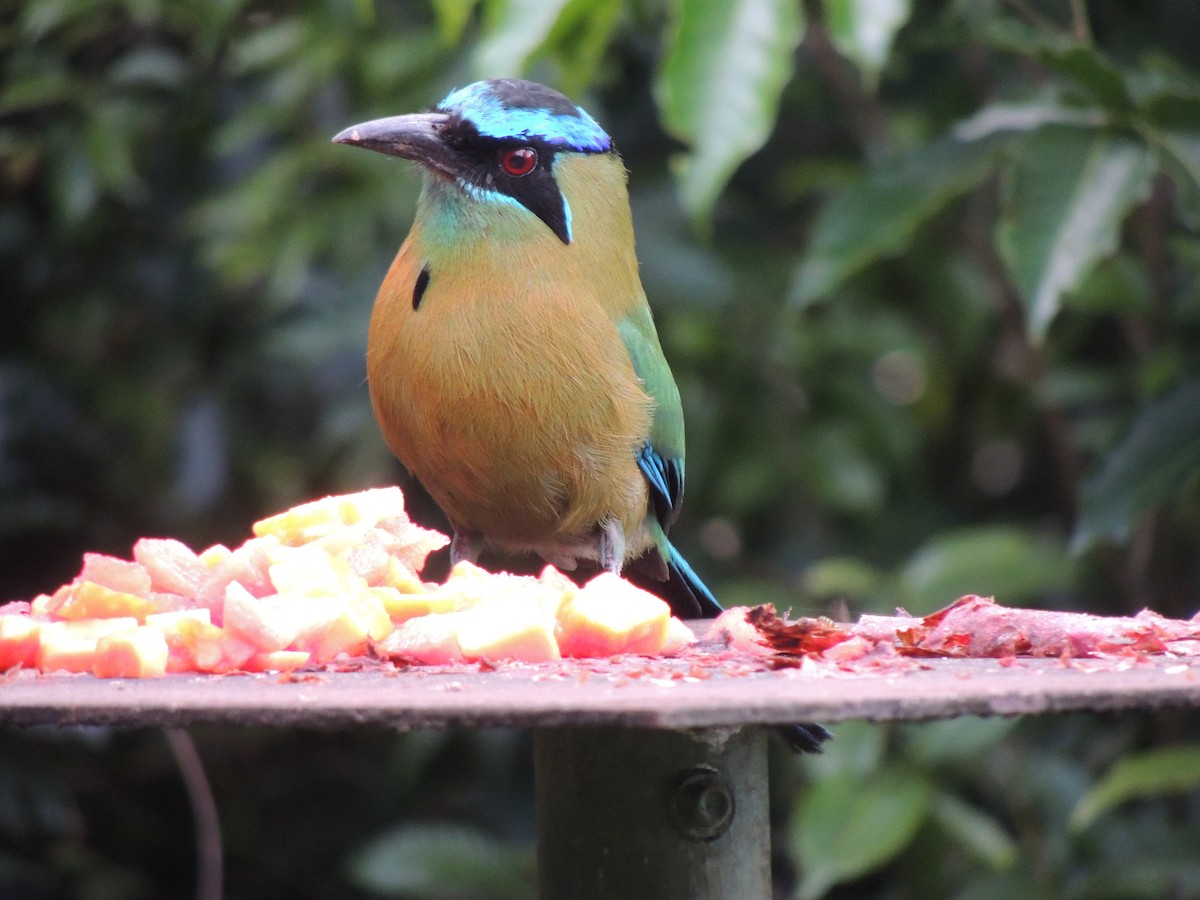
x=805, y=737
x=689, y=582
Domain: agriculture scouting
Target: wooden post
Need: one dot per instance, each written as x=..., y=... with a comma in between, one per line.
x=673, y=815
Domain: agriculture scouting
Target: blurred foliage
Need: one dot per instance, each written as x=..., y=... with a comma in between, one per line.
x=929, y=279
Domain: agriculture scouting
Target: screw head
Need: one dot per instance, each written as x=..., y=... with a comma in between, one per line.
x=702, y=804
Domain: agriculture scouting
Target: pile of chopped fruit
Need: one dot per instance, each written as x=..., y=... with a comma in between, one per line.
x=333, y=577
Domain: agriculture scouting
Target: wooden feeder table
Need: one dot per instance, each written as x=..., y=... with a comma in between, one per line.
x=651, y=775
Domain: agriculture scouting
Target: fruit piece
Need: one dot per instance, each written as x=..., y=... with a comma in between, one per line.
x=362, y=618
x=608, y=616
x=43, y=605
x=369, y=558
x=465, y=569
x=89, y=600
x=166, y=621
x=469, y=585
x=410, y=543
x=677, y=637
x=854, y=647
x=516, y=628
x=172, y=565
x=214, y=554
x=304, y=522
x=374, y=615
x=373, y=504
x=278, y=661
x=279, y=621
x=71, y=646
x=318, y=518
x=175, y=626
x=248, y=566
x=19, y=640
x=305, y=570
x=432, y=640
x=735, y=630
x=401, y=607
x=214, y=650
x=115, y=574
x=556, y=589
x=399, y=576
x=165, y=602
x=261, y=621
x=139, y=652
x=179, y=629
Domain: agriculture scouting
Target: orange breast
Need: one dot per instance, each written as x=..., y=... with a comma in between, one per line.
x=508, y=392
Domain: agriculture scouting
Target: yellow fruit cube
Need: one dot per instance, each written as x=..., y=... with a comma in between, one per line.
x=608, y=616
x=513, y=628
x=139, y=652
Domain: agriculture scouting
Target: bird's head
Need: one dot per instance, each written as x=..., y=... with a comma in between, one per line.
x=496, y=141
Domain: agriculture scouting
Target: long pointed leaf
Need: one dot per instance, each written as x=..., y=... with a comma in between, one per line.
x=878, y=216
x=719, y=86
x=1161, y=771
x=516, y=29
x=1158, y=456
x=1069, y=192
x=864, y=30
x=850, y=824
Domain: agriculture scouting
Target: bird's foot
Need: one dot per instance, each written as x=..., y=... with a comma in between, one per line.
x=465, y=546
x=612, y=546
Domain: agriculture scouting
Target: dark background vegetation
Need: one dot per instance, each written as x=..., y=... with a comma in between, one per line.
x=928, y=277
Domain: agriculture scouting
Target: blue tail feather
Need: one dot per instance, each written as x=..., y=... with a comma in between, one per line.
x=678, y=568
x=805, y=737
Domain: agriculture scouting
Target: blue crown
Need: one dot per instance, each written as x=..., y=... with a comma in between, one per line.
x=511, y=108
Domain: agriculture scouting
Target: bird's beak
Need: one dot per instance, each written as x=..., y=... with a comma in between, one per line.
x=417, y=137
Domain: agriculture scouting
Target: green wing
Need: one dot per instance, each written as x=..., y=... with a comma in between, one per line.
x=661, y=459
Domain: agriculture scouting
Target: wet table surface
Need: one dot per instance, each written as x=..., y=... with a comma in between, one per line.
x=698, y=689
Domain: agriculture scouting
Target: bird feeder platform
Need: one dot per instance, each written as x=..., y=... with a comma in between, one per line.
x=651, y=774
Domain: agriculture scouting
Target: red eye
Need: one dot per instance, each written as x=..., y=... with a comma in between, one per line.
x=518, y=161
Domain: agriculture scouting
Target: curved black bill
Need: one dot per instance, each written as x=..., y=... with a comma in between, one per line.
x=417, y=136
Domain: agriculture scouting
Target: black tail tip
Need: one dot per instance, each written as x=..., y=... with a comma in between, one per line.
x=805, y=738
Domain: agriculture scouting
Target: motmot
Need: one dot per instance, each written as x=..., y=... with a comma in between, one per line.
x=512, y=361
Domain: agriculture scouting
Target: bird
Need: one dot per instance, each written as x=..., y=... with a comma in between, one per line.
x=512, y=359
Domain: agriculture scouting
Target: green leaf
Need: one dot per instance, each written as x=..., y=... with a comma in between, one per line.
x=718, y=88
x=857, y=751
x=452, y=17
x=1180, y=149
x=863, y=30
x=1159, y=455
x=1091, y=70
x=1068, y=193
x=841, y=576
x=877, y=217
x=849, y=825
x=109, y=139
x=975, y=830
x=515, y=31
x=844, y=474
x=1026, y=116
x=267, y=48
x=1157, y=874
x=954, y=742
x=579, y=39
x=1083, y=64
x=1006, y=563
x=149, y=67
x=444, y=862
x=73, y=186
x=1161, y=771
x=30, y=90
